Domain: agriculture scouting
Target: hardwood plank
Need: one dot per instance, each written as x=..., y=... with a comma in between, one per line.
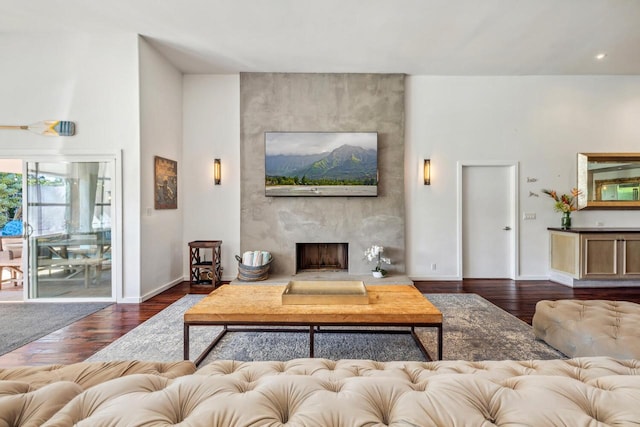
x=83, y=338
x=79, y=340
x=520, y=297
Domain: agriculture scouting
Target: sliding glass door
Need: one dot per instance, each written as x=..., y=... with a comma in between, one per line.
x=68, y=223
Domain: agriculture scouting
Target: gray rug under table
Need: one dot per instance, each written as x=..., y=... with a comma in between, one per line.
x=21, y=323
x=474, y=329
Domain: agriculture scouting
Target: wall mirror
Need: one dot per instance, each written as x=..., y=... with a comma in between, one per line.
x=609, y=180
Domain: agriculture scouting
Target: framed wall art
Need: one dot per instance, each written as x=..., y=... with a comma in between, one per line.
x=165, y=178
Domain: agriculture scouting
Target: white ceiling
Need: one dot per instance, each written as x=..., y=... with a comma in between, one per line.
x=420, y=37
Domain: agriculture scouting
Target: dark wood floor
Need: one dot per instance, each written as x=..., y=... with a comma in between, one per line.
x=520, y=298
x=83, y=338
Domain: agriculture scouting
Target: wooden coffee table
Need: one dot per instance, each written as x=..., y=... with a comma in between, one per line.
x=261, y=305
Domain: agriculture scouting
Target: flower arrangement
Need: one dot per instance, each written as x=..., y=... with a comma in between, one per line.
x=565, y=203
x=374, y=253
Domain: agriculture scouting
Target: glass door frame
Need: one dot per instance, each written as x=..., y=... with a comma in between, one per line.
x=115, y=162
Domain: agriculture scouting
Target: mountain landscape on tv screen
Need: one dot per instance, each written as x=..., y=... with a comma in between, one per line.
x=346, y=165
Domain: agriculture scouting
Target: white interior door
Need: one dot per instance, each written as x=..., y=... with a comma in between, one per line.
x=488, y=226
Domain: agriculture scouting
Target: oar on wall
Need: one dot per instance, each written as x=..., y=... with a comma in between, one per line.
x=48, y=128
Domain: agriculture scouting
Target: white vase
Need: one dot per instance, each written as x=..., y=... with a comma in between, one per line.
x=377, y=274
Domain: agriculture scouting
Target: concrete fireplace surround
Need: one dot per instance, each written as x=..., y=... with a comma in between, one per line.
x=323, y=102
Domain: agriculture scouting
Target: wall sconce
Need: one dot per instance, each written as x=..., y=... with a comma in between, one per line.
x=217, y=172
x=427, y=171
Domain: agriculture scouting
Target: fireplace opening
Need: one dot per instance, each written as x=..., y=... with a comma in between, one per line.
x=322, y=257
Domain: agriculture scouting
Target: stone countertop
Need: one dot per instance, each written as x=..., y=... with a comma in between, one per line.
x=595, y=230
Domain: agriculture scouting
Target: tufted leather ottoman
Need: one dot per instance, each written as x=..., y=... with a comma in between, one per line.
x=326, y=393
x=589, y=328
x=88, y=374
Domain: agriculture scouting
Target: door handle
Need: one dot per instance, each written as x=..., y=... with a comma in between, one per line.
x=27, y=230
x=507, y=228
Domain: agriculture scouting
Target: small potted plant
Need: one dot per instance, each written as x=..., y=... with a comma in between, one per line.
x=565, y=203
x=374, y=253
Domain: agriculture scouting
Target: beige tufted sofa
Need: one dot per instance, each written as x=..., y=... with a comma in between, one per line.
x=589, y=328
x=29, y=396
x=324, y=393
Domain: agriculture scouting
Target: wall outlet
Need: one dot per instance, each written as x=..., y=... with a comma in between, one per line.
x=529, y=215
x=433, y=267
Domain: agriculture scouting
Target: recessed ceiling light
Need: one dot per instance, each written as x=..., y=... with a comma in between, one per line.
x=601, y=56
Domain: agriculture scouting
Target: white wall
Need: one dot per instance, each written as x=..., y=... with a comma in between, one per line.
x=540, y=122
x=93, y=81
x=212, y=130
x=161, y=239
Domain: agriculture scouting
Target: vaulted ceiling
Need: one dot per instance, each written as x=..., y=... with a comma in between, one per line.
x=420, y=37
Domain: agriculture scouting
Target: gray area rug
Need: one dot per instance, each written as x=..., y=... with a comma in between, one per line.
x=474, y=329
x=21, y=323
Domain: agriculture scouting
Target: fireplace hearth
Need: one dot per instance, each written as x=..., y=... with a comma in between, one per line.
x=322, y=257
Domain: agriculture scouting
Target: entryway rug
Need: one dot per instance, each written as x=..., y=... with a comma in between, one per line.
x=21, y=323
x=474, y=329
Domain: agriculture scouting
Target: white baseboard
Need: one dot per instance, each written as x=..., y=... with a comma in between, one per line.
x=161, y=289
x=435, y=278
x=533, y=278
x=458, y=278
x=130, y=300
x=562, y=279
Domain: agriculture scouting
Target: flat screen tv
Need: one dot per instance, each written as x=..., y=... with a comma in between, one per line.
x=316, y=164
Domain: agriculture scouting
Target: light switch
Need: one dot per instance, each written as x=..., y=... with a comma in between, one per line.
x=529, y=215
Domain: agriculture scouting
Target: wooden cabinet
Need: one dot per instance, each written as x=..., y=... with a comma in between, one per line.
x=610, y=256
x=631, y=256
x=565, y=253
x=595, y=254
x=205, y=269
